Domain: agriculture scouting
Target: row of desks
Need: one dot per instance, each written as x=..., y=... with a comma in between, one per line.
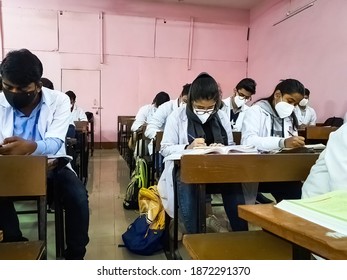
x=247, y=168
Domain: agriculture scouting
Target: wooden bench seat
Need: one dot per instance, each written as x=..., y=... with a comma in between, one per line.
x=242, y=245
x=30, y=250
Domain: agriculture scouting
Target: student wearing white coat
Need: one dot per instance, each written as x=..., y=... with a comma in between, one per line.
x=330, y=170
x=200, y=123
x=235, y=105
x=34, y=121
x=305, y=114
x=143, y=117
x=146, y=112
x=270, y=124
x=158, y=120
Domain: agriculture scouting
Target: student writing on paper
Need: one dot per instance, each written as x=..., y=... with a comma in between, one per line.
x=270, y=124
x=34, y=121
x=200, y=123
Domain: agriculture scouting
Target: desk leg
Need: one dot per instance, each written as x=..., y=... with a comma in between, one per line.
x=174, y=246
x=300, y=253
x=59, y=223
x=201, y=208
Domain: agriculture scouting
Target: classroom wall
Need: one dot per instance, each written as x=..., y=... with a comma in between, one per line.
x=137, y=49
x=310, y=46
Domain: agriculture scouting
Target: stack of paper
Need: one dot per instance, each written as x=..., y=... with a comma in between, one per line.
x=328, y=210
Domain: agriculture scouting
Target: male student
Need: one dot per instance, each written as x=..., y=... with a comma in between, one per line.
x=305, y=114
x=34, y=121
x=77, y=114
x=235, y=105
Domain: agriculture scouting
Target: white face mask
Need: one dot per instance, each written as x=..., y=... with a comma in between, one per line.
x=303, y=102
x=239, y=101
x=284, y=109
x=203, y=118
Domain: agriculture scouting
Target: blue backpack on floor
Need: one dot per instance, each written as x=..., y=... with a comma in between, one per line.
x=144, y=236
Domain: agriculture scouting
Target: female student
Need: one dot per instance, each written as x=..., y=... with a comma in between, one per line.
x=200, y=123
x=271, y=124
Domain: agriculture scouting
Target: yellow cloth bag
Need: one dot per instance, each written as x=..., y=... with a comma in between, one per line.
x=150, y=204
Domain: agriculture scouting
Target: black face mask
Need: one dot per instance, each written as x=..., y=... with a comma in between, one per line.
x=19, y=100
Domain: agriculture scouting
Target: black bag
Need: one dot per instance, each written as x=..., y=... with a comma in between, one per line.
x=334, y=121
x=137, y=181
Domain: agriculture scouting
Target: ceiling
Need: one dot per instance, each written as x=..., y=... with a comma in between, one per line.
x=236, y=4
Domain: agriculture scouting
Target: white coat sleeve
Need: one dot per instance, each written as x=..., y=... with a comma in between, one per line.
x=254, y=127
x=157, y=122
x=140, y=118
x=313, y=119
x=170, y=143
x=330, y=171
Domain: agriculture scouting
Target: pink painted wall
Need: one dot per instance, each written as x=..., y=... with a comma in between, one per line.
x=142, y=55
x=310, y=46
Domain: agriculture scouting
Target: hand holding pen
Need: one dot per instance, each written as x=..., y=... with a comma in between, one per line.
x=294, y=141
x=197, y=142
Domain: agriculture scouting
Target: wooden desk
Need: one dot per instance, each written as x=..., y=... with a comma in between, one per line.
x=318, y=134
x=240, y=168
x=296, y=230
x=32, y=250
x=238, y=245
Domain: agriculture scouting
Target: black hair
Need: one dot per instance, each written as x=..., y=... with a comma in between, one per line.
x=288, y=86
x=47, y=83
x=247, y=84
x=204, y=87
x=21, y=67
x=307, y=92
x=185, y=90
x=161, y=98
x=0, y=83
x=71, y=94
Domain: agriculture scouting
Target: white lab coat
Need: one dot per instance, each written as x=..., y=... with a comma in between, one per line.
x=175, y=138
x=330, y=170
x=78, y=114
x=143, y=116
x=158, y=120
x=53, y=120
x=310, y=117
x=256, y=129
x=238, y=125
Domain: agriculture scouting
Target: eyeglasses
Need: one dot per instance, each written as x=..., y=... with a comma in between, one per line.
x=203, y=111
x=242, y=96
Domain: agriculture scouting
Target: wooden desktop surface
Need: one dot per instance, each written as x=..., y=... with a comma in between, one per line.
x=30, y=250
x=296, y=230
x=242, y=168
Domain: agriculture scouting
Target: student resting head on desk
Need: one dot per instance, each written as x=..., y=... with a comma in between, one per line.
x=35, y=120
x=200, y=123
x=271, y=124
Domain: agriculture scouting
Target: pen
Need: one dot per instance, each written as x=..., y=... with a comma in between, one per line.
x=191, y=136
x=291, y=134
